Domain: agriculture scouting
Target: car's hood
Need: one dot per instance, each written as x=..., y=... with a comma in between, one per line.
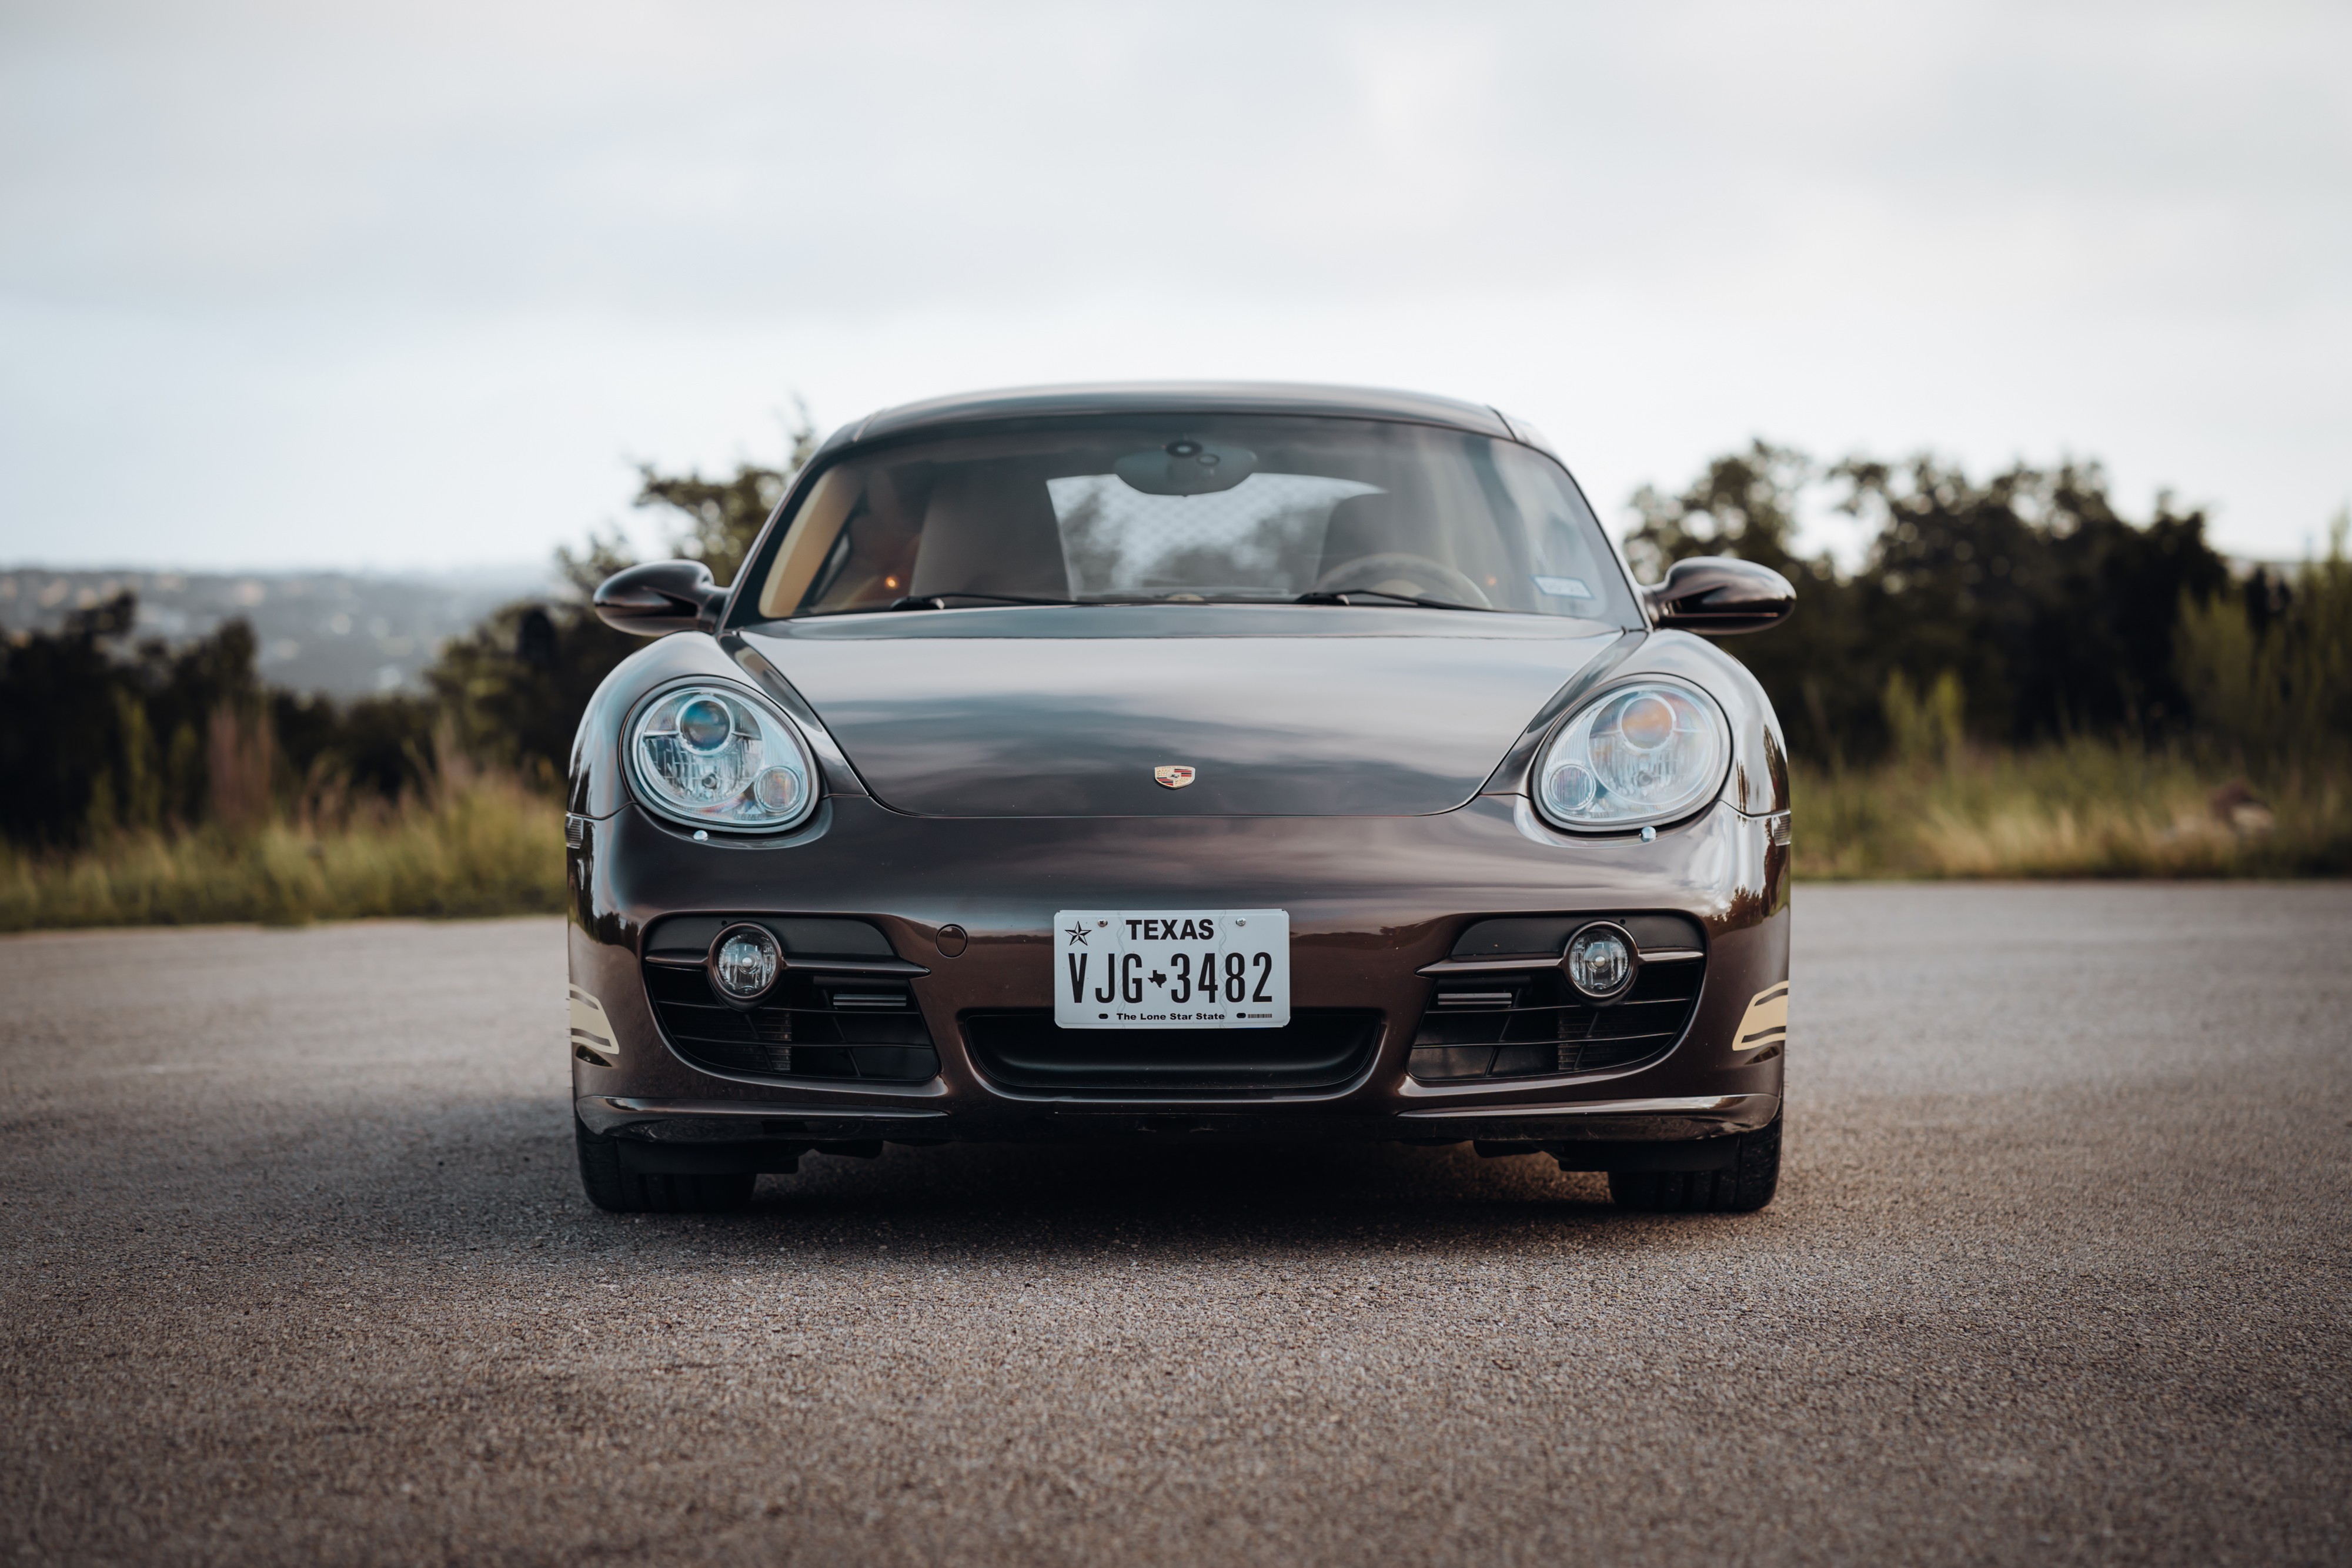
x=1324, y=711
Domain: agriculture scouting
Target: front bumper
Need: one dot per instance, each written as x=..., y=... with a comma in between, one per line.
x=1373, y=901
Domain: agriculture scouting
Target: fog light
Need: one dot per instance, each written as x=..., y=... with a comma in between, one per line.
x=744, y=963
x=1600, y=960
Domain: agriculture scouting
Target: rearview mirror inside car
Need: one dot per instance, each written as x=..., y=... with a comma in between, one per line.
x=1186, y=467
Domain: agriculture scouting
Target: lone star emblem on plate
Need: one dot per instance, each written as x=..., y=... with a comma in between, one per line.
x=1175, y=776
x=1077, y=934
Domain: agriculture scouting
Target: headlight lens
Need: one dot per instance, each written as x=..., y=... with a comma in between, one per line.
x=1640, y=753
x=717, y=756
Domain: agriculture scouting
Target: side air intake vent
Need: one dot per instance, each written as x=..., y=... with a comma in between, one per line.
x=1500, y=1007
x=842, y=1009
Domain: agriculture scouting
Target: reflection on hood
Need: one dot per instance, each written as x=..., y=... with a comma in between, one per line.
x=992, y=726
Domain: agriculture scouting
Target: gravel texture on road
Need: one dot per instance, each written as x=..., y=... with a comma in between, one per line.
x=297, y=1269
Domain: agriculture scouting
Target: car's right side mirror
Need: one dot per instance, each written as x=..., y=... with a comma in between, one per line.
x=1718, y=596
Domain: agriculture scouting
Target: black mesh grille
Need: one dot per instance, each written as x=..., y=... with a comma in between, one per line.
x=1316, y=1049
x=1516, y=1025
x=810, y=1026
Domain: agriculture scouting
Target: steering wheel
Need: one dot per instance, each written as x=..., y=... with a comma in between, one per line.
x=1397, y=573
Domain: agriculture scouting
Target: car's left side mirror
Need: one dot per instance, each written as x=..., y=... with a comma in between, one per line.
x=660, y=596
x=1718, y=596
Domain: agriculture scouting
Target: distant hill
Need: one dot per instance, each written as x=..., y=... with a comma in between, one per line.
x=344, y=635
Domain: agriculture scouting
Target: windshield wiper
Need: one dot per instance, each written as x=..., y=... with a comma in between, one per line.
x=940, y=601
x=1350, y=596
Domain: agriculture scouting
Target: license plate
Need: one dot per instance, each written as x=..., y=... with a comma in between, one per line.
x=1172, y=968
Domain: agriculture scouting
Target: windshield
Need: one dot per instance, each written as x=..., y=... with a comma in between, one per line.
x=1191, y=508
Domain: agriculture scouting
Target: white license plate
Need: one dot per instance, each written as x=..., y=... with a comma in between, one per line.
x=1172, y=968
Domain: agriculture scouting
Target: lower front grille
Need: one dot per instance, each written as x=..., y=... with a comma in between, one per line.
x=1533, y=1023
x=1318, y=1049
x=810, y=1026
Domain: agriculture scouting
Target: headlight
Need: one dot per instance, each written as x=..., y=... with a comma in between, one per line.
x=1644, y=752
x=717, y=756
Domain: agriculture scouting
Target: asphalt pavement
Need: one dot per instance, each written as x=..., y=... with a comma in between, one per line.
x=295, y=1267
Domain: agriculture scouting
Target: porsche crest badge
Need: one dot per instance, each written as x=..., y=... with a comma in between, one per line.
x=1173, y=776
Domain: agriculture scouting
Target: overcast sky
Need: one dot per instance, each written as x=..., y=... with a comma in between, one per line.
x=414, y=286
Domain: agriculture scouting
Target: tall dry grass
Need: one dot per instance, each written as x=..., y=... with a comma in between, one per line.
x=476, y=845
x=2085, y=809
x=482, y=843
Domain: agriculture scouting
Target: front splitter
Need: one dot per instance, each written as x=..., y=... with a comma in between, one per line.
x=1600, y=1121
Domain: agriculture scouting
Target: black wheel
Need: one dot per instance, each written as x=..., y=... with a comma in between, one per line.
x=1747, y=1186
x=620, y=1191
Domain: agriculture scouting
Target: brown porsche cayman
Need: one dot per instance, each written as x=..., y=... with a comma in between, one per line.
x=1248, y=761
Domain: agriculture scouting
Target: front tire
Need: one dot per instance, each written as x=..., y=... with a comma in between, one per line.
x=619, y=1190
x=1747, y=1186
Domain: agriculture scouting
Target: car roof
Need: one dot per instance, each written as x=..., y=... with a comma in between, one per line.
x=1016, y=403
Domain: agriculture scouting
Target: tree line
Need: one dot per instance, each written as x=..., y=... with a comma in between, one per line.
x=2018, y=609
x=103, y=731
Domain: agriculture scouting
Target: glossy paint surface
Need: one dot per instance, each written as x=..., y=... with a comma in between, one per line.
x=1757, y=783
x=1722, y=596
x=1371, y=901
x=1363, y=770
x=966, y=410
x=1290, y=710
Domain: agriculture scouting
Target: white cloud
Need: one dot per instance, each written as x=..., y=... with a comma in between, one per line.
x=411, y=286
